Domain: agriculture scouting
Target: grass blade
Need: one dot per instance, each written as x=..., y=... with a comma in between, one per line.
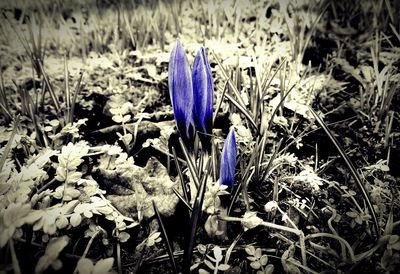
x=194, y=220
x=278, y=106
x=389, y=223
x=225, y=75
x=9, y=143
x=243, y=185
x=73, y=103
x=191, y=166
x=271, y=160
x=166, y=239
x=260, y=153
x=214, y=159
x=184, y=190
x=219, y=103
x=182, y=199
x=243, y=110
x=232, y=246
x=3, y=99
x=239, y=103
x=352, y=168
x=50, y=88
x=312, y=30
x=67, y=91
x=267, y=82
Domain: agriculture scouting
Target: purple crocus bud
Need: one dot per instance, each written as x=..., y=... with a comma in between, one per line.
x=181, y=92
x=203, y=89
x=228, y=160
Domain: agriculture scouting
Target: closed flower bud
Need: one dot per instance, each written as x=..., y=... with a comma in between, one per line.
x=181, y=92
x=203, y=89
x=228, y=160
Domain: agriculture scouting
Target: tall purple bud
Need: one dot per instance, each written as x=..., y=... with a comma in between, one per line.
x=203, y=90
x=228, y=160
x=181, y=92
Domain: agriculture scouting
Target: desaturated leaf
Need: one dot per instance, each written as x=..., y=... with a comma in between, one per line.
x=69, y=207
x=53, y=249
x=293, y=269
x=121, y=226
x=62, y=222
x=123, y=237
x=223, y=267
x=38, y=225
x=84, y=266
x=103, y=266
x=209, y=264
x=203, y=271
x=393, y=239
x=117, y=118
x=269, y=269
x=43, y=157
x=74, y=163
x=250, y=220
x=217, y=253
x=15, y=213
x=54, y=123
x=255, y=265
x=59, y=192
x=62, y=162
x=286, y=258
x=396, y=246
x=264, y=260
x=4, y=188
x=105, y=210
x=91, y=190
x=202, y=249
x=250, y=250
x=153, y=237
x=384, y=168
x=88, y=214
x=127, y=138
x=71, y=193
x=50, y=229
x=352, y=214
x=258, y=253
x=61, y=174
x=73, y=177
x=126, y=118
x=75, y=219
x=33, y=216
x=83, y=207
x=56, y=264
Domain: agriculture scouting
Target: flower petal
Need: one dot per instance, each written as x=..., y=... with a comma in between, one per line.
x=203, y=88
x=228, y=160
x=181, y=91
